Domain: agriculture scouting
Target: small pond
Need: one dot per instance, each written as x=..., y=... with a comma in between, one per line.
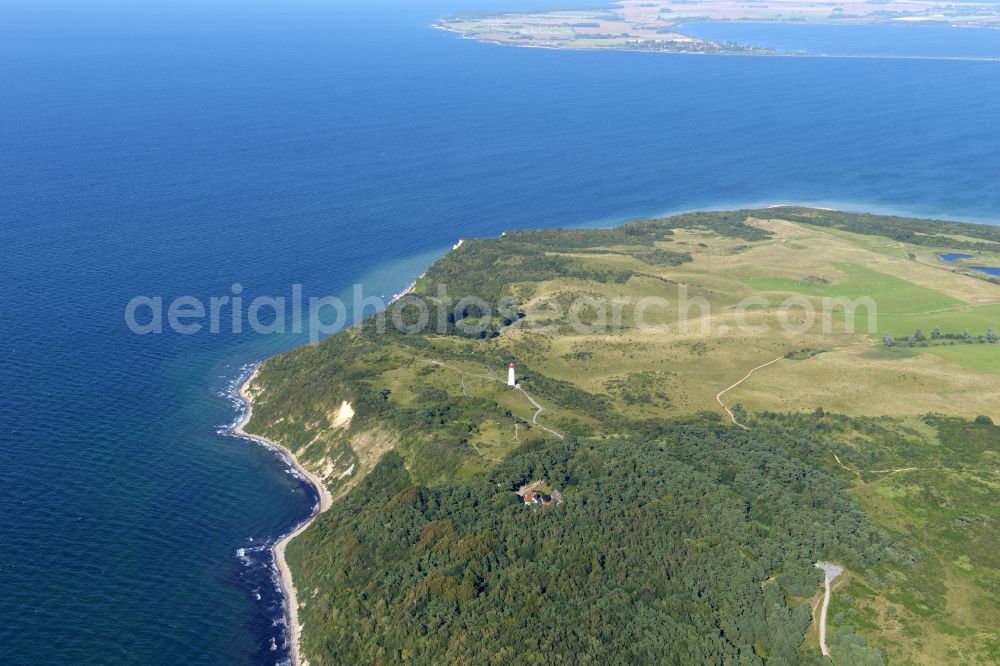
x=954, y=256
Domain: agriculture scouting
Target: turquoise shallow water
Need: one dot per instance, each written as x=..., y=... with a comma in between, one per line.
x=174, y=149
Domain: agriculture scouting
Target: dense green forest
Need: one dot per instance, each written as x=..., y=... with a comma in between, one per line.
x=933, y=233
x=694, y=545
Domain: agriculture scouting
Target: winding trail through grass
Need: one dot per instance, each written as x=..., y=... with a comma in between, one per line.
x=538, y=408
x=887, y=472
x=718, y=396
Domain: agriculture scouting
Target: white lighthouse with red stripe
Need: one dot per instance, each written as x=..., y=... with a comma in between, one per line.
x=511, y=379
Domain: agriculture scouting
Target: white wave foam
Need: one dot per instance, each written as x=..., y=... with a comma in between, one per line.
x=258, y=554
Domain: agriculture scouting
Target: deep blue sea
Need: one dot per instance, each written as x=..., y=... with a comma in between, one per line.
x=904, y=41
x=170, y=148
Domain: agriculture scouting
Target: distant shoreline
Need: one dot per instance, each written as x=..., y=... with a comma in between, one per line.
x=756, y=54
x=278, y=549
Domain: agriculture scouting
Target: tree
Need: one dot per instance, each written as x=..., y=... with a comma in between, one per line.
x=918, y=335
x=848, y=648
x=991, y=336
x=936, y=333
x=888, y=340
x=984, y=420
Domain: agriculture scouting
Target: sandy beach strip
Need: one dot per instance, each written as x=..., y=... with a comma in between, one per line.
x=278, y=550
x=409, y=290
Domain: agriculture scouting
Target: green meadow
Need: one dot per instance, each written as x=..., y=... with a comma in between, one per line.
x=891, y=294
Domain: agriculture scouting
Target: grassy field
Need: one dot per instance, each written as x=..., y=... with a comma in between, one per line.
x=893, y=295
x=619, y=330
x=944, y=608
x=853, y=377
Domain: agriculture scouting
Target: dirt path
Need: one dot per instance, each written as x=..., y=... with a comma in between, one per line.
x=887, y=472
x=718, y=397
x=831, y=571
x=538, y=408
